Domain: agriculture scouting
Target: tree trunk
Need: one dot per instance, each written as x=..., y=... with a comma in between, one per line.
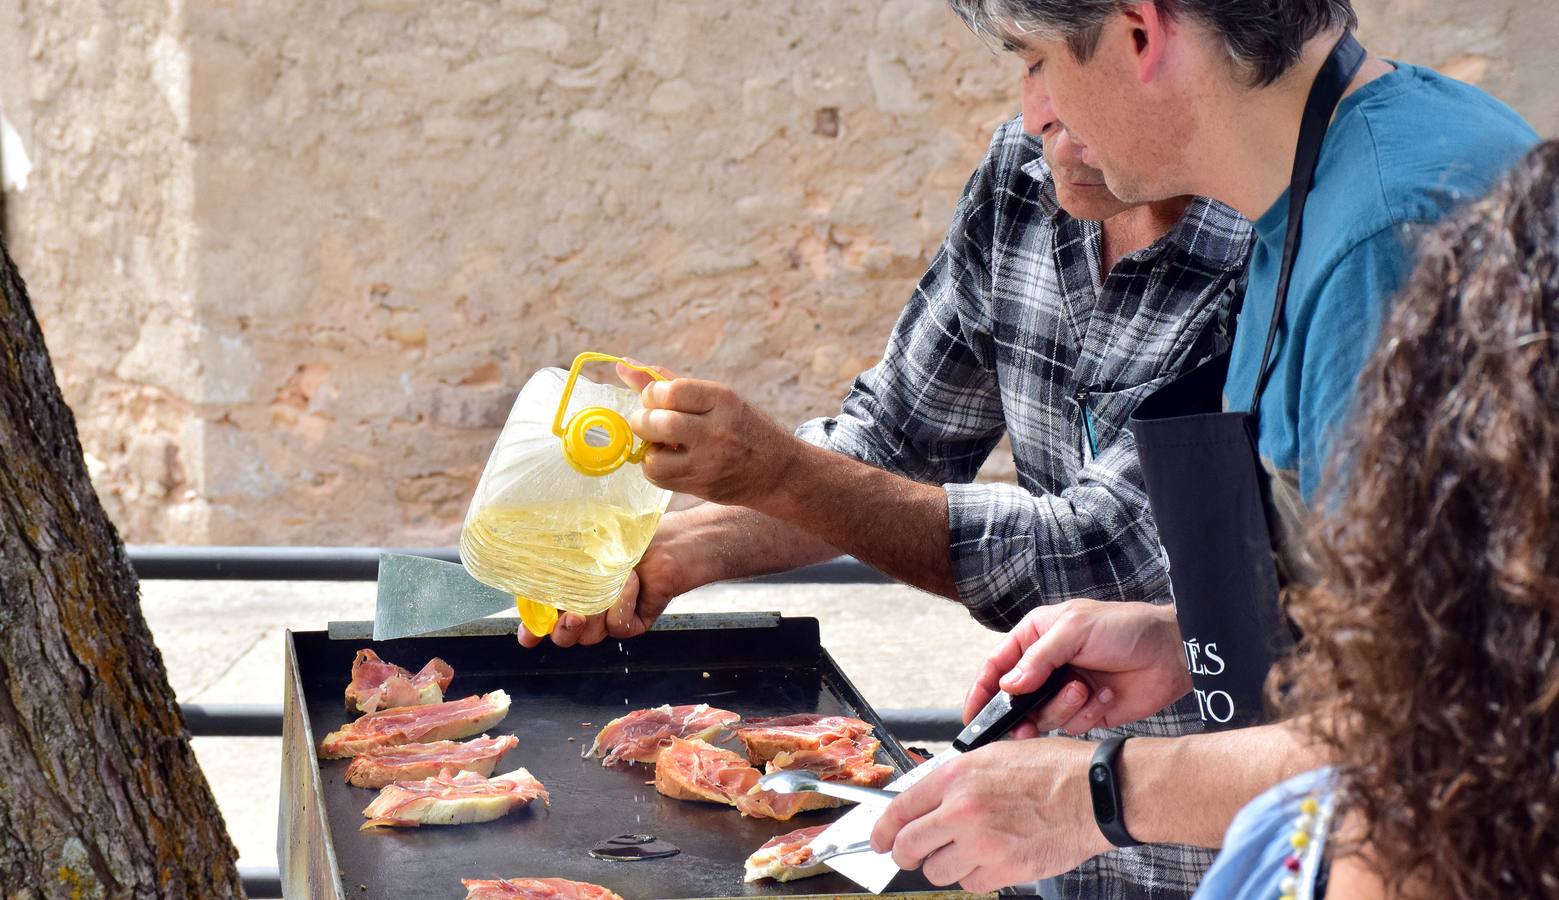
x=100, y=794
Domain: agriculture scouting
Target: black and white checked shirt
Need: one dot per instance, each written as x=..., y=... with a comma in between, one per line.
x=1012, y=332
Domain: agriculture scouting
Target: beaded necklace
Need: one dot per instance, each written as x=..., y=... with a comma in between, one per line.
x=1308, y=843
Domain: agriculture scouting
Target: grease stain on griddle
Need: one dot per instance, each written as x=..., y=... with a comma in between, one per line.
x=633, y=848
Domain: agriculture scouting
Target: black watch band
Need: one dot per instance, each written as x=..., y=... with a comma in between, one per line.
x=1105, y=788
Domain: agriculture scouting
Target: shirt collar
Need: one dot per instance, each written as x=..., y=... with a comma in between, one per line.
x=1213, y=232
x=1040, y=172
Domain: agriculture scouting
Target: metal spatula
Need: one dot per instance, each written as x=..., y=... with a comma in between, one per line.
x=829, y=851
x=419, y=595
x=790, y=781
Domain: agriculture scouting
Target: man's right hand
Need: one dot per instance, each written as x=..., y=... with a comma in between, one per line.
x=1128, y=655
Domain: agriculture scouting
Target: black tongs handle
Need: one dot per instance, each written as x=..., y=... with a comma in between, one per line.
x=1005, y=711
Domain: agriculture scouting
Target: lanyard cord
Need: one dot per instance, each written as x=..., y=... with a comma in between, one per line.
x=1330, y=84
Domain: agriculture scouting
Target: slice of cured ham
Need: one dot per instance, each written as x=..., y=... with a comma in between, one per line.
x=452, y=798
x=411, y=762
x=787, y=857
x=378, y=685
x=448, y=721
x=641, y=735
x=535, y=889
x=765, y=736
x=693, y=770
x=850, y=759
x=761, y=804
x=847, y=759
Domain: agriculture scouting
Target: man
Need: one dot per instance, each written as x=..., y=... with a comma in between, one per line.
x=1207, y=96
x=1034, y=320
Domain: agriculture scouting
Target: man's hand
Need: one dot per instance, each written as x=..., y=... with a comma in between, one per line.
x=1128, y=654
x=709, y=442
x=1009, y=812
x=661, y=575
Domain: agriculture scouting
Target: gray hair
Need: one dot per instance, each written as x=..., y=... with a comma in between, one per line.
x=1264, y=36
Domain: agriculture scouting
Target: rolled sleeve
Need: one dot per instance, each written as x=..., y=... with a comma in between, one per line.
x=1012, y=550
x=859, y=431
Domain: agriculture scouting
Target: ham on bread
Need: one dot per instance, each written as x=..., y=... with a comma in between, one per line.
x=535, y=889
x=448, y=721
x=786, y=857
x=412, y=762
x=848, y=760
x=378, y=685
x=766, y=736
x=641, y=735
x=452, y=798
x=694, y=770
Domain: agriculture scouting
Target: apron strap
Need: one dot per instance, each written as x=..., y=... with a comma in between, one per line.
x=1330, y=84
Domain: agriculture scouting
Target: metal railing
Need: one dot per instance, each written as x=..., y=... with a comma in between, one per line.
x=163, y=563
x=160, y=563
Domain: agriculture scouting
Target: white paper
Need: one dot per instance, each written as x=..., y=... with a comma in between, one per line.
x=871, y=870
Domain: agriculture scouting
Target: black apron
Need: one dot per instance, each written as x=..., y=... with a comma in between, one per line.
x=1207, y=487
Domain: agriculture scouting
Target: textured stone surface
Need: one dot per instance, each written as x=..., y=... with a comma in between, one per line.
x=104, y=236
x=1505, y=47
x=294, y=259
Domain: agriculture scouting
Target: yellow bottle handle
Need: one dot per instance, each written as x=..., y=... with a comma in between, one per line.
x=592, y=459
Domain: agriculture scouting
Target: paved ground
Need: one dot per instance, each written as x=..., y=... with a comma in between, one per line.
x=222, y=643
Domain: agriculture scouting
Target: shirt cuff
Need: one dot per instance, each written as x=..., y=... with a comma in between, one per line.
x=838, y=436
x=991, y=552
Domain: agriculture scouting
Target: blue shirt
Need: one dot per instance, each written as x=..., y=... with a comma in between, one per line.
x=1251, y=864
x=1401, y=152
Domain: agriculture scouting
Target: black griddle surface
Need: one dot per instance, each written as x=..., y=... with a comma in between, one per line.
x=554, y=693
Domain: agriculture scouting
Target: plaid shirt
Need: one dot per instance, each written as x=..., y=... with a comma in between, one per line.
x=1012, y=332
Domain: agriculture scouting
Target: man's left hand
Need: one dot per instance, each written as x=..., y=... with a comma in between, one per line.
x=1005, y=814
x=711, y=443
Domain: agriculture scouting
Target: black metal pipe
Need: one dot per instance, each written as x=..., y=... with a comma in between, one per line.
x=158, y=562
x=268, y=563
x=922, y=723
x=265, y=720
x=261, y=882
x=844, y=570
x=233, y=719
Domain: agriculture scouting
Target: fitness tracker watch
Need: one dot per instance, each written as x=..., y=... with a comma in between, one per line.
x=1105, y=789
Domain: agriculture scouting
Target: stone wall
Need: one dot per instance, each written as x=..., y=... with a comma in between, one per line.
x=104, y=236
x=1506, y=47
x=294, y=258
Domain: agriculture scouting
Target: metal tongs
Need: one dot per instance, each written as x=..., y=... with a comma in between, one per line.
x=799, y=781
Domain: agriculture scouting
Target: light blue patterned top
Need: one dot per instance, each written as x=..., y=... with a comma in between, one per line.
x=1250, y=866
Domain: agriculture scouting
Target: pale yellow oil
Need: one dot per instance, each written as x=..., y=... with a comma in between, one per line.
x=574, y=555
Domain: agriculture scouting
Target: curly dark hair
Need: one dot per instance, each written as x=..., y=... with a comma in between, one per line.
x=1429, y=670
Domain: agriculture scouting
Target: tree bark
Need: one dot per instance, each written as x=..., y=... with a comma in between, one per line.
x=100, y=793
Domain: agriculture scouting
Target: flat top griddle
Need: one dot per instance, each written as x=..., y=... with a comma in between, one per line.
x=558, y=695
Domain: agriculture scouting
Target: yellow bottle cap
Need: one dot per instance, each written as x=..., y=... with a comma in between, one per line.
x=613, y=438
x=539, y=618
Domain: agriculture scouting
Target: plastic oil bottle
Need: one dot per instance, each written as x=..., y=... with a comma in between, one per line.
x=562, y=513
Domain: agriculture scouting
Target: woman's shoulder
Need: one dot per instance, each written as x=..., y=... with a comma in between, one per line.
x=1274, y=847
